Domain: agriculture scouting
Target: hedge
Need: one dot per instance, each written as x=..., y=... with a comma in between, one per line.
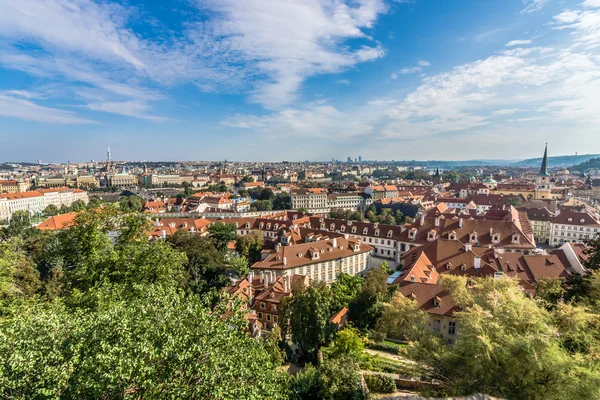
x=380, y=383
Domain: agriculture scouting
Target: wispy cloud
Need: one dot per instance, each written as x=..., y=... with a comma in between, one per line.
x=132, y=108
x=411, y=70
x=518, y=43
x=264, y=48
x=486, y=34
x=290, y=41
x=343, y=81
x=533, y=5
x=29, y=111
x=549, y=85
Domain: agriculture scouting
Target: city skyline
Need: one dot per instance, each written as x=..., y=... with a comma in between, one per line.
x=297, y=81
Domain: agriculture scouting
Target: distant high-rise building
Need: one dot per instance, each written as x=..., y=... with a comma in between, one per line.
x=359, y=159
x=349, y=159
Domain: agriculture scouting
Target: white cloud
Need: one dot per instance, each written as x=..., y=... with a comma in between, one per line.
x=533, y=5
x=24, y=93
x=517, y=43
x=29, y=111
x=411, y=70
x=343, y=81
x=132, y=108
x=545, y=85
x=584, y=24
x=289, y=41
x=74, y=25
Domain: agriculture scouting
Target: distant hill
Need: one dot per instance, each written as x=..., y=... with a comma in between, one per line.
x=556, y=162
x=593, y=163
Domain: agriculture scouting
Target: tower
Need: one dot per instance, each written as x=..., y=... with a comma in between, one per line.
x=543, y=186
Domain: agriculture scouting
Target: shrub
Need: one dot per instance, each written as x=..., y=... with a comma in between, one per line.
x=380, y=383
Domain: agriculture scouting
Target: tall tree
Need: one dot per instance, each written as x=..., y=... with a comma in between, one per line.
x=306, y=318
x=205, y=265
x=221, y=234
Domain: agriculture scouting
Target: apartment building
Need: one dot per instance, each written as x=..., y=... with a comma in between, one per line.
x=572, y=226
x=318, y=260
x=309, y=199
x=36, y=201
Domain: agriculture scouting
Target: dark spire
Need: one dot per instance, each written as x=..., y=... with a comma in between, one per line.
x=437, y=171
x=544, y=168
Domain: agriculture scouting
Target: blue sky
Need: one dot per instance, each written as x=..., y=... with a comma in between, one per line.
x=298, y=79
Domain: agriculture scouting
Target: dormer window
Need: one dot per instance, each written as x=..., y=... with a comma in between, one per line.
x=349, y=222
x=275, y=227
x=452, y=236
x=412, y=278
x=390, y=233
x=247, y=225
x=261, y=225
x=463, y=267
x=437, y=301
x=332, y=227
x=448, y=265
x=376, y=232
x=365, y=231
x=343, y=228
x=473, y=237
x=515, y=238
x=323, y=225
x=570, y=220
x=412, y=234
x=496, y=238
x=582, y=221
x=268, y=226
x=431, y=235
x=299, y=255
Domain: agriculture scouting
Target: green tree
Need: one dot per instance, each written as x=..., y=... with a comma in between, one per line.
x=221, y=234
x=366, y=308
x=306, y=318
x=344, y=289
x=507, y=346
x=161, y=344
x=347, y=342
x=261, y=205
x=282, y=201
x=205, y=266
x=78, y=205
x=335, y=379
x=51, y=210
x=18, y=277
x=20, y=225
x=250, y=246
x=238, y=265
x=399, y=217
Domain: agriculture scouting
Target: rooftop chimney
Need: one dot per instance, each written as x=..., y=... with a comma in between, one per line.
x=266, y=280
x=284, y=261
x=334, y=242
x=163, y=234
x=460, y=222
x=437, y=221
x=477, y=262
x=468, y=246
x=422, y=221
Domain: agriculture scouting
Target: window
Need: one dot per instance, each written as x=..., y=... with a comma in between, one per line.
x=259, y=315
x=451, y=328
x=268, y=317
x=274, y=307
x=262, y=305
x=436, y=325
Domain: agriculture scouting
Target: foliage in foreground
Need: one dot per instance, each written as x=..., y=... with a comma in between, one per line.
x=159, y=343
x=508, y=345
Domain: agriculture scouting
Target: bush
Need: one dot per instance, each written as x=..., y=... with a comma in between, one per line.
x=380, y=383
x=385, y=346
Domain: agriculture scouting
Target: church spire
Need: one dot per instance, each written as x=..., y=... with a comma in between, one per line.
x=544, y=168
